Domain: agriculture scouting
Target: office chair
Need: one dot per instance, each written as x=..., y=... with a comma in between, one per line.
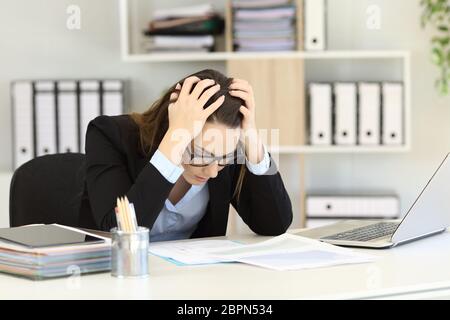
x=47, y=189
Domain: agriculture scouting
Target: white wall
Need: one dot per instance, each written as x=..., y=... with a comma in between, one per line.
x=35, y=43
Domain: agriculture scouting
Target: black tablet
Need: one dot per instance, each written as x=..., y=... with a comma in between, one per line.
x=46, y=236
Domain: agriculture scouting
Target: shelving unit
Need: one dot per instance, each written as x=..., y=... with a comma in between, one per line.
x=285, y=74
x=226, y=56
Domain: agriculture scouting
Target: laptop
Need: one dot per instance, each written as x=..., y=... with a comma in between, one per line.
x=428, y=215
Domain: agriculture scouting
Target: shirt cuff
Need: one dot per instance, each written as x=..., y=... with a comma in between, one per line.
x=261, y=167
x=167, y=168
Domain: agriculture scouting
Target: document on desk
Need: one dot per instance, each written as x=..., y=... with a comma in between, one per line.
x=290, y=252
x=191, y=252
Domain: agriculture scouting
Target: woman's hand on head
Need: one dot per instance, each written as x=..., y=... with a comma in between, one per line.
x=186, y=112
x=253, y=145
x=242, y=89
x=187, y=116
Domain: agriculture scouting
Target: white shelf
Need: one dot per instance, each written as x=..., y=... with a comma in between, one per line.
x=225, y=56
x=129, y=56
x=308, y=149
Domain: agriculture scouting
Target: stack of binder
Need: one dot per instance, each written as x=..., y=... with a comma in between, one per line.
x=329, y=208
x=364, y=113
x=52, y=116
x=183, y=29
x=53, y=262
x=264, y=25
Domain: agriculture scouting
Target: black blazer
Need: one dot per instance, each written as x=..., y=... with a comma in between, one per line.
x=115, y=166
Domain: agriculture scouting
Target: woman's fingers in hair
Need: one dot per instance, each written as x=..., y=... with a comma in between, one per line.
x=207, y=94
x=246, y=96
x=173, y=96
x=201, y=86
x=240, y=84
x=214, y=106
x=245, y=112
x=187, y=85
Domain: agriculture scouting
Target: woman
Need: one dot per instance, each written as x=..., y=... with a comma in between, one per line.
x=179, y=164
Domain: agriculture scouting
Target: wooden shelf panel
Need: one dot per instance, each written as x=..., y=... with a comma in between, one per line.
x=226, y=56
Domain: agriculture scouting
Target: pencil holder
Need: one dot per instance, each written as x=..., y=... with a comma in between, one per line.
x=129, y=253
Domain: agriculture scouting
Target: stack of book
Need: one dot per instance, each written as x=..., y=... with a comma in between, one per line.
x=183, y=29
x=264, y=25
x=54, y=261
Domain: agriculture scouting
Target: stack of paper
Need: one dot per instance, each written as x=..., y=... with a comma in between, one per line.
x=51, y=262
x=264, y=25
x=183, y=29
x=289, y=252
x=285, y=252
x=191, y=252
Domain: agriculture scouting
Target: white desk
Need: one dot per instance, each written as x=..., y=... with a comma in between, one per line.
x=416, y=270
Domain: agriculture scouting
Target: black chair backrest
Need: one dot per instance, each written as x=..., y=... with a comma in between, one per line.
x=47, y=189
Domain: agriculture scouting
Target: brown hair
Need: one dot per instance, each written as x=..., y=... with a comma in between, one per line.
x=154, y=122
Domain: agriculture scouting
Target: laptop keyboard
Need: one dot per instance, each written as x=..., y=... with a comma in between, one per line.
x=366, y=233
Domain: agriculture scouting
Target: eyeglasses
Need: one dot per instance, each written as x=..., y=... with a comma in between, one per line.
x=197, y=157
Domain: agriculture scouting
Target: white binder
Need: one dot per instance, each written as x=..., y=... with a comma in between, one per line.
x=345, y=113
x=320, y=113
x=392, y=120
x=352, y=206
x=45, y=118
x=369, y=113
x=112, y=97
x=22, y=94
x=67, y=116
x=315, y=24
x=89, y=107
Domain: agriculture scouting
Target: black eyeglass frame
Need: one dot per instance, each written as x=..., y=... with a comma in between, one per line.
x=238, y=157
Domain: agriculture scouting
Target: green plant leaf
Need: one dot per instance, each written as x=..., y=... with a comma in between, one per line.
x=444, y=88
x=437, y=14
x=437, y=56
x=443, y=41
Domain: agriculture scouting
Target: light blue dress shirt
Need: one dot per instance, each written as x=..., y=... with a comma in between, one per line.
x=179, y=221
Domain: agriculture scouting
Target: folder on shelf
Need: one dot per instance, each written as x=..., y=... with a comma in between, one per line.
x=320, y=110
x=89, y=106
x=369, y=113
x=185, y=11
x=345, y=113
x=315, y=24
x=392, y=113
x=112, y=101
x=67, y=116
x=23, y=128
x=353, y=206
x=45, y=118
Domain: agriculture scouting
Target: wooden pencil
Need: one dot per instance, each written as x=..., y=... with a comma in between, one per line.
x=121, y=224
x=126, y=214
x=130, y=215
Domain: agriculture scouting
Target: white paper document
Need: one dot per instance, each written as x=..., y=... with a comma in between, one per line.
x=285, y=252
x=290, y=252
x=191, y=252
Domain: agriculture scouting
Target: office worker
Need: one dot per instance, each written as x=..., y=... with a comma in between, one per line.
x=178, y=162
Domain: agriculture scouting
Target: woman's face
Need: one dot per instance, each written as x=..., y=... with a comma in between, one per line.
x=215, y=140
